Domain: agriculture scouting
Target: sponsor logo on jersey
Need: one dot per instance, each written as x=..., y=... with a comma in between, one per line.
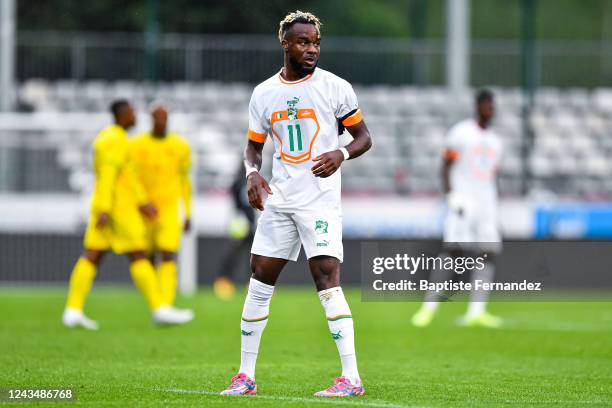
x=324, y=243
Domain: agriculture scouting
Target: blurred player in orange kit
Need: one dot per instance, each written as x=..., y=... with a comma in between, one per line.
x=469, y=177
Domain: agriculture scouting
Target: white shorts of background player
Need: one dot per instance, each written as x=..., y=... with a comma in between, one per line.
x=471, y=221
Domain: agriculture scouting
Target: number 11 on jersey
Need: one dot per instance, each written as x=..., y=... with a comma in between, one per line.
x=298, y=132
x=295, y=134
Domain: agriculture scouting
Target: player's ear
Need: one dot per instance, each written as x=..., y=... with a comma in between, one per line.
x=285, y=44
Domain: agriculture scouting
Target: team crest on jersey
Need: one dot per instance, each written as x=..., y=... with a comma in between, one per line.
x=292, y=112
x=321, y=227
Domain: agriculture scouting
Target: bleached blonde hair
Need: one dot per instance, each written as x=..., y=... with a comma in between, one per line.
x=297, y=17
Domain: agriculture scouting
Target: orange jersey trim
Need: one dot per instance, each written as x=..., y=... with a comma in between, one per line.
x=284, y=81
x=450, y=154
x=256, y=137
x=354, y=119
x=338, y=317
x=255, y=319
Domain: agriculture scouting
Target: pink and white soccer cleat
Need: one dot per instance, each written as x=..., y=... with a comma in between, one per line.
x=241, y=385
x=342, y=388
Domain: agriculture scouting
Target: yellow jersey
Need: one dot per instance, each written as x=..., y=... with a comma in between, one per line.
x=113, y=174
x=162, y=165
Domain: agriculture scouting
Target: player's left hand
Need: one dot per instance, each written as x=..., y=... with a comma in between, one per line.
x=148, y=210
x=103, y=220
x=327, y=164
x=187, y=225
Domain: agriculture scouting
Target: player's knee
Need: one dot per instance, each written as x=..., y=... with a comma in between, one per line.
x=265, y=272
x=136, y=256
x=93, y=256
x=167, y=256
x=324, y=281
x=325, y=272
x=257, y=269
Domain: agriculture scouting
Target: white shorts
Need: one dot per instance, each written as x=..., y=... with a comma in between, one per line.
x=473, y=223
x=280, y=233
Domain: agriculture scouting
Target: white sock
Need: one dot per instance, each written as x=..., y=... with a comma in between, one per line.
x=254, y=320
x=340, y=322
x=479, y=298
x=476, y=308
x=431, y=306
x=432, y=297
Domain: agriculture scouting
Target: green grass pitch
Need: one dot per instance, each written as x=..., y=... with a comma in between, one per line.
x=550, y=354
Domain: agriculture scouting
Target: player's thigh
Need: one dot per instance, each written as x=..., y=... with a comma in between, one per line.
x=97, y=239
x=320, y=231
x=276, y=236
x=129, y=229
x=167, y=232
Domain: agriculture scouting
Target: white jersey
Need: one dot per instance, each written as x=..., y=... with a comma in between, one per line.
x=477, y=154
x=301, y=118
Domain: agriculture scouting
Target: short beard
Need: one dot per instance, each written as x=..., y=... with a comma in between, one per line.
x=299, y=69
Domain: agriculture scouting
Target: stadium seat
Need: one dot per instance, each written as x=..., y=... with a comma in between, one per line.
x=409, y=126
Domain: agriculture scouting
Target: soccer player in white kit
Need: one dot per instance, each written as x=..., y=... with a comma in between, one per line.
x=300, y=108
x=471, y=160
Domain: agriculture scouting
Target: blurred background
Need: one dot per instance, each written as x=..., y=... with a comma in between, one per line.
x=414, y=64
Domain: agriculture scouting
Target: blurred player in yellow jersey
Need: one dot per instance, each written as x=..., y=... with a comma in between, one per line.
x=116, y=222
x=162, y=161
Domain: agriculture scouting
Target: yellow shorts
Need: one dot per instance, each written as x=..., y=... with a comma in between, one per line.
x=164, y=233
x=125, y=233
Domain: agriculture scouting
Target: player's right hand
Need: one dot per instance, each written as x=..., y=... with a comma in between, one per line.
x=456, y=203
x=257, y=186
x=103, y=220
x=148, y=210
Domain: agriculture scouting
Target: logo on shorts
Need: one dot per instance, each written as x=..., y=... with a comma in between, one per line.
x=292, y=112
x=323, y=243
x=337, y=336
x=320, y=227
x=246, y=333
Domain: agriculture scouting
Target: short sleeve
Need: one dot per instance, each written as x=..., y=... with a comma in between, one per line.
x=347, y=107
x=452, y=145
x=256, y=130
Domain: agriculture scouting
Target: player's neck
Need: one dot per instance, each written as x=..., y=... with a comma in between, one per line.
x=159, y=135
x=288, y=73
x=482, y=123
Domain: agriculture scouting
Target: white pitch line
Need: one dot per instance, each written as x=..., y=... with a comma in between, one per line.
x=542, y=402
x=381, y=404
